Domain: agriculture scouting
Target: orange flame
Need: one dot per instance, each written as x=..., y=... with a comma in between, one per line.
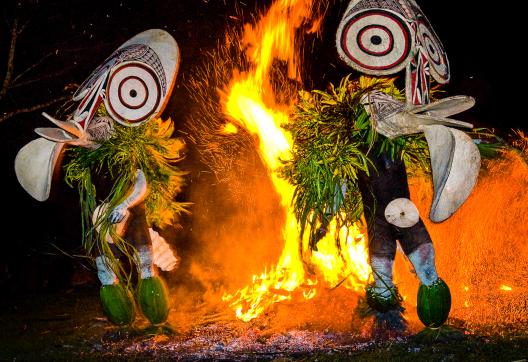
x=250, y=102
x=229, y=128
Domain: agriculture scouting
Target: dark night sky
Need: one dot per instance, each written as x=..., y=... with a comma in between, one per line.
x=73, y=37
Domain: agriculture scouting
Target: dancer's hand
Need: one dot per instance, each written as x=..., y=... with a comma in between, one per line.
x=118, y=213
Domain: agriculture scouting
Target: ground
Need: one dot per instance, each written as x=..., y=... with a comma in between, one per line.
x=69, y=325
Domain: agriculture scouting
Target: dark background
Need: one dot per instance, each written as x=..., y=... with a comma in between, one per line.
x=63, y=41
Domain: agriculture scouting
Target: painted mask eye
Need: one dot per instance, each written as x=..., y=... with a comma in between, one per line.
x=133, y=93
x=375, y=41
x=439, y=65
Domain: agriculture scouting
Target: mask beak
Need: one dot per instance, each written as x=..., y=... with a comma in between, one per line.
x=71, y=127
x=68, y=132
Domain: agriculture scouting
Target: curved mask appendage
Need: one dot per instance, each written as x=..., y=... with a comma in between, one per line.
x=455, y=163
x=35, y=165
x=37, y=161
x=56, y=134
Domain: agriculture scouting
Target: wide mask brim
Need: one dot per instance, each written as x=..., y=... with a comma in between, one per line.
x=455, y=163
x=35, y=165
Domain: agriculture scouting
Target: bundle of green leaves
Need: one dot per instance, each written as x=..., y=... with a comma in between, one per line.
x=148, y=147
x=333, y=141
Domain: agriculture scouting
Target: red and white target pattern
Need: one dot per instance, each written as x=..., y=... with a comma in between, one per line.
x=376, y=42
x=439, y=65
x=133, y=93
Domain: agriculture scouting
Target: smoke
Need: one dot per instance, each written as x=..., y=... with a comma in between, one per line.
x=237, y=226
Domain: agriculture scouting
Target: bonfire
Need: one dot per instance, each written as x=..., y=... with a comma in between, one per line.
x=251, y=87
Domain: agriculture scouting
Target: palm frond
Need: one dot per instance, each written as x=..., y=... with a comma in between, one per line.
x=148, y=147
x=333, y=141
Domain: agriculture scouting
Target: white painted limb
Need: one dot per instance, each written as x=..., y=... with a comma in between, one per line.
x=423, y=260
x=96, y=220
x=145, y=262
x=138, y=194
x=105, y=274
x=382, y=271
